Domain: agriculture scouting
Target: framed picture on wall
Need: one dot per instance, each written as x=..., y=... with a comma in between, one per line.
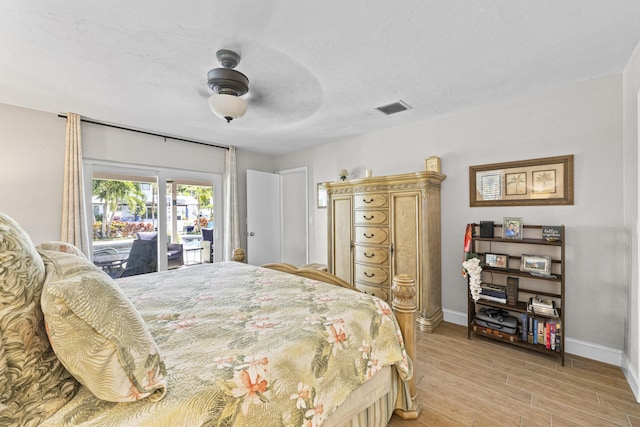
x=322, y=195
x=535, y=182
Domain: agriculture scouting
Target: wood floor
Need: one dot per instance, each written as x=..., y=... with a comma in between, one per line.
x=481, y=382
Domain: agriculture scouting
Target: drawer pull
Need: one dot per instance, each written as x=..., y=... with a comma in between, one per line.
x=368, y=236
x=368, y=218
x=367, y=201
x=369, y=275
x=369, y=255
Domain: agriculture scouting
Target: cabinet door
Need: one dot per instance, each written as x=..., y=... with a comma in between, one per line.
x=341, y=238
x=405, y=234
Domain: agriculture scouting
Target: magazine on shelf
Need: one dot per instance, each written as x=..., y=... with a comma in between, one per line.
x=493, y=299
x=496, y=291
x=538, y=305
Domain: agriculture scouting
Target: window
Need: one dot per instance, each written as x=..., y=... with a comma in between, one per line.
x=126, y=209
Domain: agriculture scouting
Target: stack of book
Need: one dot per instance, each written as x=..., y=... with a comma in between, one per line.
x=541, y=331
x=495, y=293
x=546, y=307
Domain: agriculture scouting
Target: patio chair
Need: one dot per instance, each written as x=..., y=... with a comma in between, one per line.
x=143, y=257
x=174, y=255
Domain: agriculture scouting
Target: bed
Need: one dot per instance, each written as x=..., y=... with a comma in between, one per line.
x=223, y=344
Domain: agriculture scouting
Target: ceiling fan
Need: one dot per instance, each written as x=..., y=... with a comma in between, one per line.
x=282, y=92
x=228, y=85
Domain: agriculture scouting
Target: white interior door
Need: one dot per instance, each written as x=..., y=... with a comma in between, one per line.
x=263, y=218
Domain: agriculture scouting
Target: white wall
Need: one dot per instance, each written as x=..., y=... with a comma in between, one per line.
x=121, y=146
x=583, y=119
x=32, y=173
x=631, y=94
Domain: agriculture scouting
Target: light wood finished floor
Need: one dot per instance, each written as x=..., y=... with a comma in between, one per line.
x=481, y=382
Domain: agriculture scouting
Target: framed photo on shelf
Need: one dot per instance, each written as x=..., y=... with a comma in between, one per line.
x=536, y=264
x=497, y=260
x=544, y=181
x=512, y=227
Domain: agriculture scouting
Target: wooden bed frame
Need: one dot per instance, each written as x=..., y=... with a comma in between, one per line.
x=404, y=305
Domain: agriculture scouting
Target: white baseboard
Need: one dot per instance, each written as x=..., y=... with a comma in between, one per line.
x=572, y=345
x=632, y=376
x=455, y=317
x=593, y=351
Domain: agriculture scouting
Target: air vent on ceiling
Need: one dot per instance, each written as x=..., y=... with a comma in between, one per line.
x=396, y=107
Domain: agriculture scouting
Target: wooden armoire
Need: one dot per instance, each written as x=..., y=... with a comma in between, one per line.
x=383, y=226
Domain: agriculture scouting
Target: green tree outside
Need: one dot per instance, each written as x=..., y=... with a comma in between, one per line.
x=114, y=193
x=204, y=197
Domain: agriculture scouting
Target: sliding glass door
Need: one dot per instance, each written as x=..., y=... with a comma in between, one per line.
x=137, y=231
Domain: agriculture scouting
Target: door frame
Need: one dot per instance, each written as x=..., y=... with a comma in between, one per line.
x=304, y=170
x=283, y=197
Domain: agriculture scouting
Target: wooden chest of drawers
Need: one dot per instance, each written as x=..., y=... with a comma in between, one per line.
x=380, y=227
x=372, y=243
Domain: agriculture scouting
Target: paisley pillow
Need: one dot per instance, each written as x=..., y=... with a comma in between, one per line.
x=33, y=382
x=97, y=333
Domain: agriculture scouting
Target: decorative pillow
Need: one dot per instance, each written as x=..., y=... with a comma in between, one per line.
x=61, y=247
x=97, y=333
x=33, y=382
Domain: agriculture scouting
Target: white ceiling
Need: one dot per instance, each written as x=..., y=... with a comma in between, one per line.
x=317, y=69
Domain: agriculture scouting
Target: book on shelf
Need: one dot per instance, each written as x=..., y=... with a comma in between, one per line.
x=547, y=335
x=540, y=331
x=493, y=299
x=524, y=322
x=495, y=293
x=493, y=290
x=530, y=330
x=512, y=290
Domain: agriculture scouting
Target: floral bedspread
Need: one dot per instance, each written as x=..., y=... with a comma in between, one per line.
x=248, y=346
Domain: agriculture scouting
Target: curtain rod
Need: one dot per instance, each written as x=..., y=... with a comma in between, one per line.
x=64, y=116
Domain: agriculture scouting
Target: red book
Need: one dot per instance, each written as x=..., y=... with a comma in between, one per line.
x=547, y=335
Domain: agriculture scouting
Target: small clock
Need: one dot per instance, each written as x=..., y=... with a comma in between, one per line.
x=432, y=164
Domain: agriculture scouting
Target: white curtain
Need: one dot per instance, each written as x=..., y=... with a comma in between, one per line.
x=74, y=224
x=231, y=220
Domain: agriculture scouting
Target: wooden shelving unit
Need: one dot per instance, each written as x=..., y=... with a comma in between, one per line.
x=552, y=287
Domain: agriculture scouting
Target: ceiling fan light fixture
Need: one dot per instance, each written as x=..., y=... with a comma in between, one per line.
x=227, y=107
x=227, y=85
